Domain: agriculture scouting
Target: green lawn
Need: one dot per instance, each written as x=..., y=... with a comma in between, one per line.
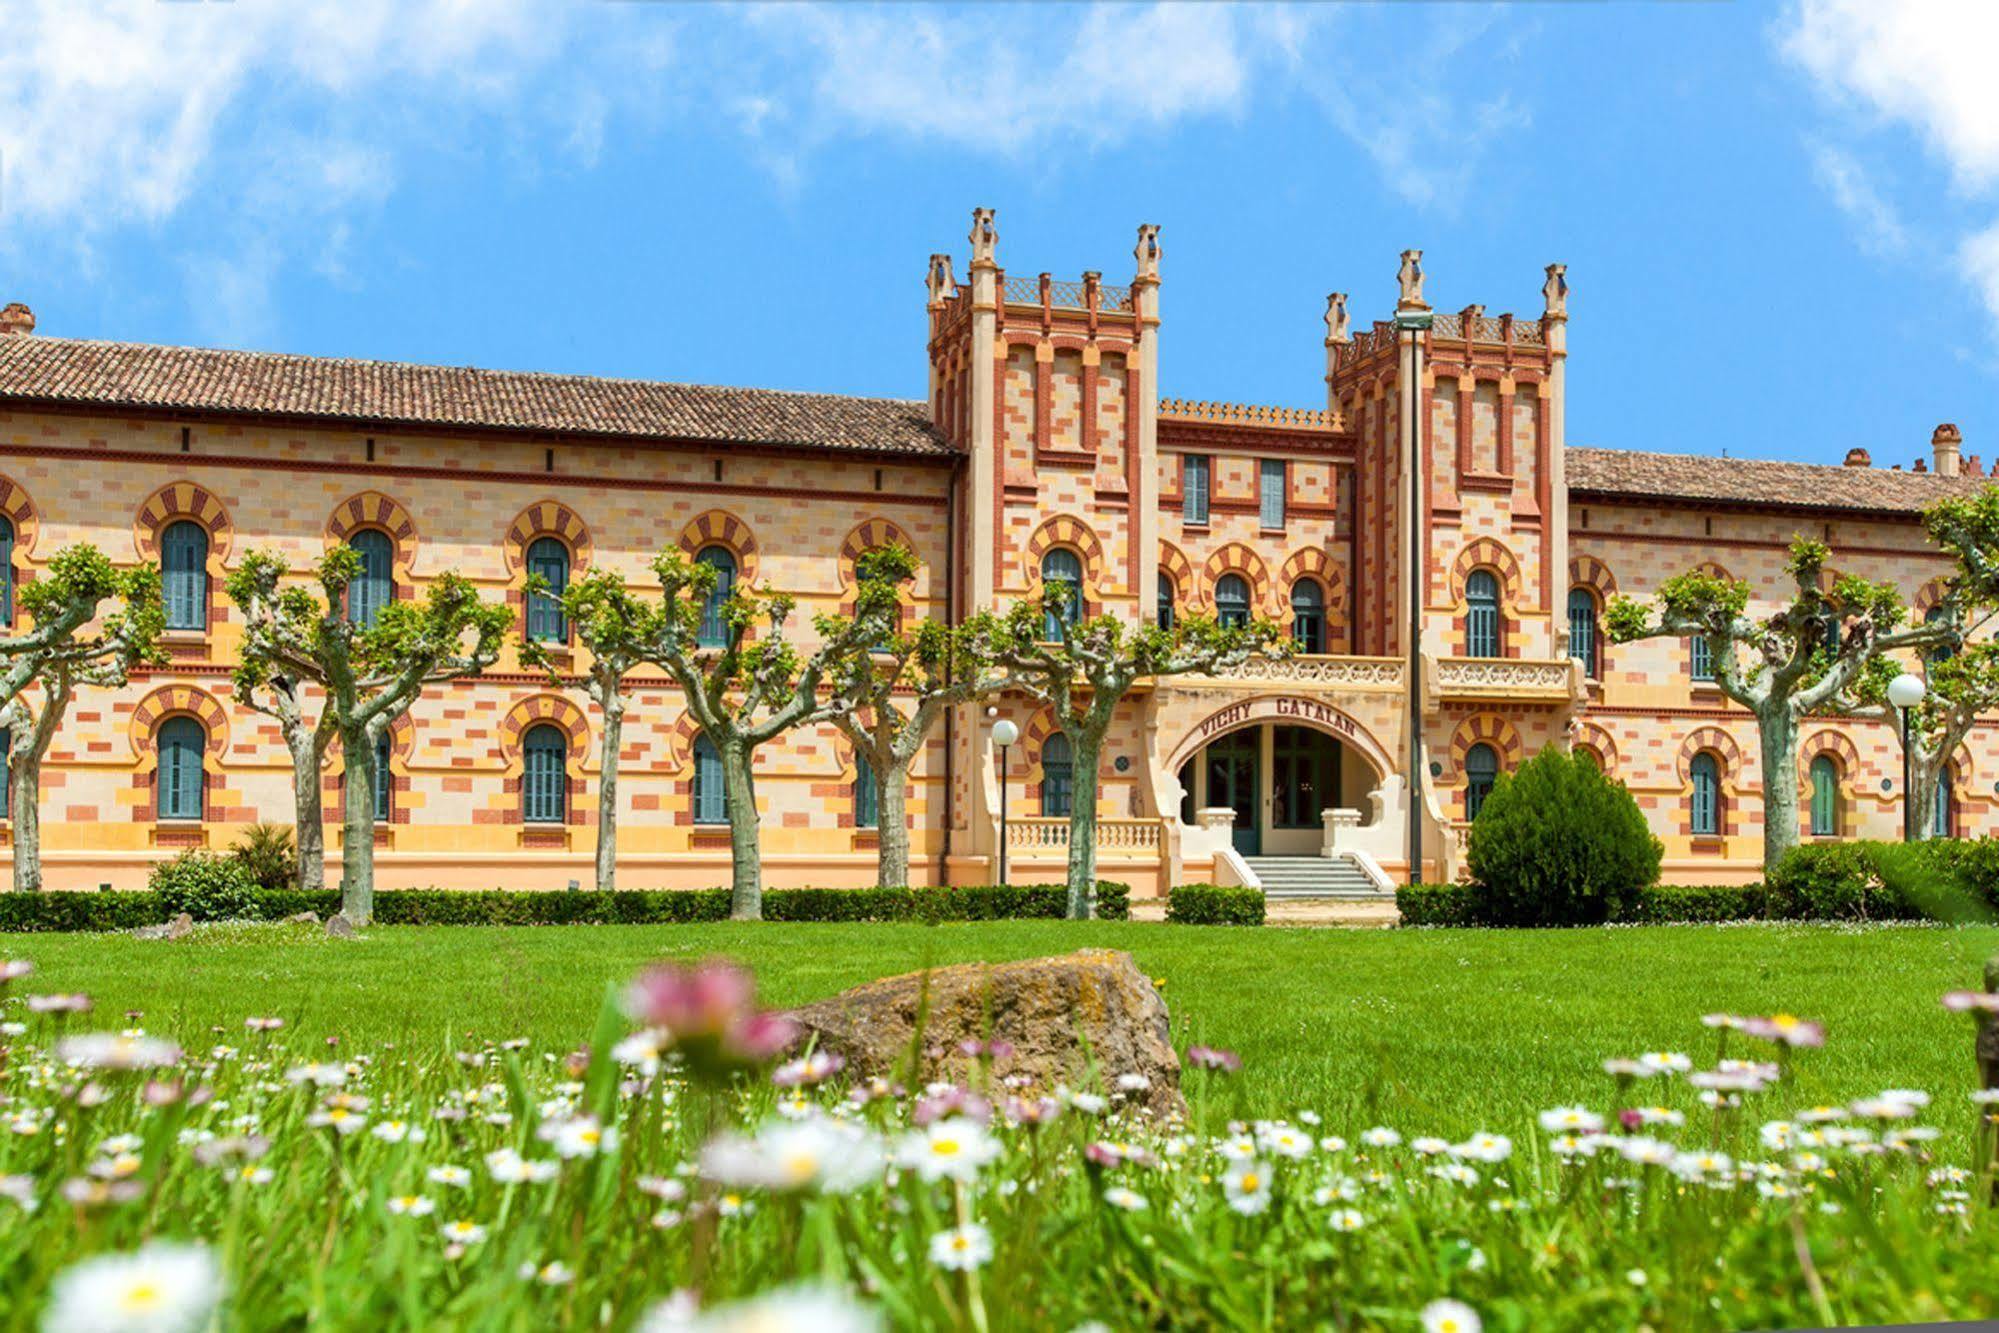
x=1440, y=1030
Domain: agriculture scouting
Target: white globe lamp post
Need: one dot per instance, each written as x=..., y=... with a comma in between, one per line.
x=1005, y=733
x=1904, y=693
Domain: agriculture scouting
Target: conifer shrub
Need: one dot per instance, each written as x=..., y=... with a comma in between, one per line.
x=1557, y=843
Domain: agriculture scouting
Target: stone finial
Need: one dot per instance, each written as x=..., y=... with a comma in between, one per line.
x=1338, y=328
x=1147, y=252
x=1945, y=442
x=1555, y=293
x=1411, y=278
x=985, y=236
x=943, y=286
x=16, y=321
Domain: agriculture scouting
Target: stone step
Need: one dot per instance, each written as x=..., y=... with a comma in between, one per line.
x=1302, y=877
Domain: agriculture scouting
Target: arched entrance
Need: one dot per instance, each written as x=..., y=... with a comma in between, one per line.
x=1279, y=763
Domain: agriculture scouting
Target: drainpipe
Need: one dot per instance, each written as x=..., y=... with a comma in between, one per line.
x=1413, y=323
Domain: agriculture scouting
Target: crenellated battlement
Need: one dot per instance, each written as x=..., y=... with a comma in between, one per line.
x=1245, y=414
x=1046, y=292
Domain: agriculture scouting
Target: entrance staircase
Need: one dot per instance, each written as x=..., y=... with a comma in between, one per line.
x=1291, y=877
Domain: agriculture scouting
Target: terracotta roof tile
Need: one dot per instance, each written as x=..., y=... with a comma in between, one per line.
x=127, y=375
x=1629, y=473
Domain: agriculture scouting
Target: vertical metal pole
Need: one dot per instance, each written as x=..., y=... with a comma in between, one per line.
x=1002, y=816
x=1411, y=445
x=1908, y=784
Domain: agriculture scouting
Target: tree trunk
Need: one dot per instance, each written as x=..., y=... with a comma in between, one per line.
x=357, y=841
x=607, y=794
x=1921, y=790
x=892, y=823
x=1778, y=736
x=24, y=777
x=1083, y=828
x=308, y=813
x=746, y=896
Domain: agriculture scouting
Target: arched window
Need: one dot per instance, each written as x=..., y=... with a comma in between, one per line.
x=1943, y=822
x=182, y=776
x=374, y=587
x=1481, y=771
x=711, y=805
x=1232, y=601
x=6, y=570
x=1825, y=797
x=714, y=632
x=1942, y=652
x=1701, y=659
x=184, y=574
x=1705, y=814
x=867, y=800
x=1061, y=591
x=1308, y=617
x=1058, y=777
x=384, y=780
x=1582, y=630
x=550, y=559
x=1482, y=614
x=544, y=784
x=1166, y=600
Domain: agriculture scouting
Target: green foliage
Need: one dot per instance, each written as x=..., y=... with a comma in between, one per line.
x=1437, y=905
x=1214, y=905
x=268, y=856
x=192, y=879
x=205, y=886
x=1559, y=844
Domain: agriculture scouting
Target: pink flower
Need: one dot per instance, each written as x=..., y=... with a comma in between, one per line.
x=59, y=1004
x=13, y=969
x=974, y=1049
x=1215, y=1058
x=709, y=1014
x=814, y=1068
x=1032, y=1111
x=1970, y=1001
x=953, y=1101
x=1788, y=1029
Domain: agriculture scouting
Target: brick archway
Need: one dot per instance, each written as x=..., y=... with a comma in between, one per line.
x=559, y=712
x=1313, y=563
x=171, y=504
x=1599, y=742
x=547, y=518
x=152, y=712
x=19, y=508
x=1488, y=553
x=868, y=535
x=1486, y=729
x=1070, y=533
x=372, y=509
x=1586, y=571
x=1239, y=559
x=1173, y=563
x=719, y=527
x=1724, y=748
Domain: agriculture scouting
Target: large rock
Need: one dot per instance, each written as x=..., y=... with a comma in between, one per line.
x=1082, y=1019
x=179, y=928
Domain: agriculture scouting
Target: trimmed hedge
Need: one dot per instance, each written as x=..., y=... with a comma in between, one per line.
x=67, y=911
x=1214, y=905
x=1954, y=879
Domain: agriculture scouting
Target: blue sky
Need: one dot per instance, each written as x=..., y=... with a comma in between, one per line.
x=1781, y=222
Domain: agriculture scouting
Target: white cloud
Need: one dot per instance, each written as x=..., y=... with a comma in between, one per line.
x=1917, y=66
x=1843, y=177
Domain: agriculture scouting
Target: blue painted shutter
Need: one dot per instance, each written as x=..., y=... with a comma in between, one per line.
x=544, y=788
x=1308, y=617
x=1061, y=589
x=374, y=587
x=1270, y=477
x=710, y=805
x=1481, y=771
x=383, y=780
x=1058, y=777
x=1825, y=797
x=1194, y=488
x=184, y=575
x=1706, y=813
x=867, y=805
x=182, y=745
x=1482, y=614
x=1703, y=659
x=6, y=571
x=550, y=559
x=714, y=632
x=1232, y=601
x=1582, y=629
x=1165, y=601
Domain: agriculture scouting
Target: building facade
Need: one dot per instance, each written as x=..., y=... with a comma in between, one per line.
x=1043, y=454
